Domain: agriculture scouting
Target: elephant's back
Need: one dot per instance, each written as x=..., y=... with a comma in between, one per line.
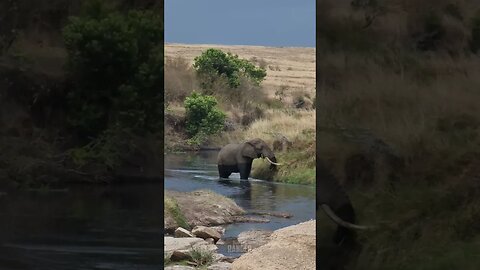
x=227, y=153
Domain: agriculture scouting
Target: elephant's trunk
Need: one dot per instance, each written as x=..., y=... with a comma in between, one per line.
x=272, y=162
x=331, y=214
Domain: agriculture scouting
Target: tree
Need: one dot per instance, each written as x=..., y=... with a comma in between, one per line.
x=202, y=115
x=116, y=62
x=213, y=64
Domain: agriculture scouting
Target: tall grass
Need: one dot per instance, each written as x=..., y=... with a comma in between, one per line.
x=422, y=104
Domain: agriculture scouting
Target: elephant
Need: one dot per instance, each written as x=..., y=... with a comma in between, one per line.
x=334, y=201
x=239, y=157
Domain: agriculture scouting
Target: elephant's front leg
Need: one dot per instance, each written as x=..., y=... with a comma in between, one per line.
x=244, y=169
x=225, y=171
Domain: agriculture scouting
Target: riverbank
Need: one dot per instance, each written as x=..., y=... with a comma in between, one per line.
x=197, y=247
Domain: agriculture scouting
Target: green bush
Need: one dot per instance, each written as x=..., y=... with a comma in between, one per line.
x=202, y=115
x=116, y=64
x=214, y=63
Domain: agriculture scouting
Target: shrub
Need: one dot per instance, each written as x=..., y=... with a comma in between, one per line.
x=202, y=115
x=214, y=63
x=116, y=62
x=475, y=41
x=201, y=256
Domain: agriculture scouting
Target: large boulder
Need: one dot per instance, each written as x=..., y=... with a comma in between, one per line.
x=206, y=232
x=292, y=247
x=198, y=208
x=171, y=243
x=181, y=232
x=253, y=239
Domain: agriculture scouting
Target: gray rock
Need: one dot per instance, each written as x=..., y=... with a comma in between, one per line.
x=253, y=239
x=179, y=267
x=205, y=245
x=220, y=266
x=210, y=240
x=219, y=229
x=171, y=243
x=181, y=232
x=206, y=232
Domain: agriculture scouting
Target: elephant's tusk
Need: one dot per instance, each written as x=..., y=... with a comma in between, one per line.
x=328, y=210
x=274, y=163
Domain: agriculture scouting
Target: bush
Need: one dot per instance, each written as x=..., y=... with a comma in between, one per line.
x=214, y=63
x=475, y=41
x=202, y=115
x=201, y=256
x=116, y=62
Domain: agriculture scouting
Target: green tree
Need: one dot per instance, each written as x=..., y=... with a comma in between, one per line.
x=214, y=63
x=116, y=62
x=203, y=117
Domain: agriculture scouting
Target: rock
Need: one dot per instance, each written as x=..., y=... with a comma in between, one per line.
x=199, y=208
x=180, y=255
x=181, y=232
x=217, y=257
x=219, y=229
x=205, y=245
x=179, y=267
x=273, y=214
x=247, y=219
x=253, y=239
x=220, y=266
x=220, y=242
x=178, y=249
x=210, y=240
x=171, y=244
x=206, y=232
x=292, y=247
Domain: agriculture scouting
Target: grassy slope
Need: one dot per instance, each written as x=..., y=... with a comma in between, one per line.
x=288, y=68
x=425, y=106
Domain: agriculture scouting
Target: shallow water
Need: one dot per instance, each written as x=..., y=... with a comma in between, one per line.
x=87, y=227
x=120, y=226
x=191, y=172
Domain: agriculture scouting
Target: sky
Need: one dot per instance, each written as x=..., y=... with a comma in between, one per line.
x=287, y=23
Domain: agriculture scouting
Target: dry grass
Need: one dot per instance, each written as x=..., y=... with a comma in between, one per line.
x=423, y=105
x=292, y=124
x=296, y=66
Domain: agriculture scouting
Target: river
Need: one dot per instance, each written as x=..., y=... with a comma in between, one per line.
x=199, y=171
x=120, y=226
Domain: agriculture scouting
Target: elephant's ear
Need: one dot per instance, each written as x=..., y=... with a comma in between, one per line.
x=248, y=150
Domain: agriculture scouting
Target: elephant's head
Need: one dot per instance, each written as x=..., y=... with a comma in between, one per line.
x=257, y=148
x=336, y=204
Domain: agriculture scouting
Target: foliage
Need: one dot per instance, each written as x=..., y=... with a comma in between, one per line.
x=202, y=115
x=201, y=256
x=214, y=63
x=116, y=62
x=171, y=206
x=475, y=41
x=106, y=149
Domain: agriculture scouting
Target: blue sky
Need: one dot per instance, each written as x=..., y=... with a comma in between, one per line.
x=241, y=22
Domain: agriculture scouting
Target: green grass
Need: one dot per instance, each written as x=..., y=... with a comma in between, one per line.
x=298, y=166
x=172, y=208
